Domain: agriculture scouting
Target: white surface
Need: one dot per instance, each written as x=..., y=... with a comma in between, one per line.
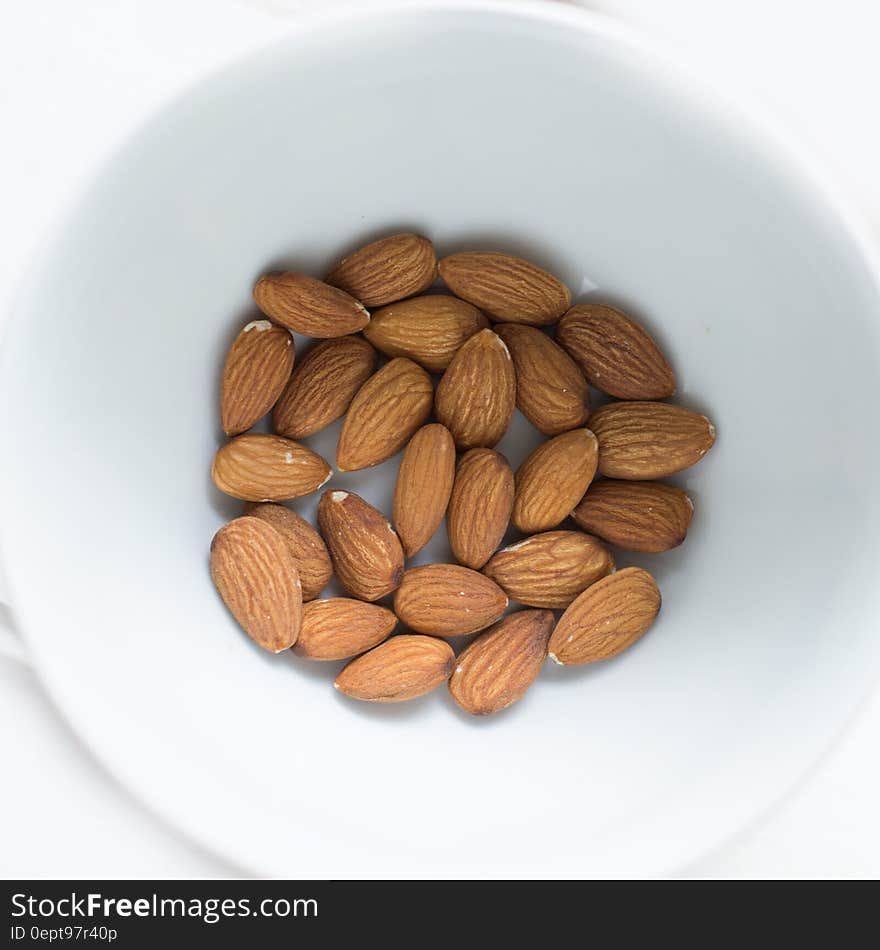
x=794, y=849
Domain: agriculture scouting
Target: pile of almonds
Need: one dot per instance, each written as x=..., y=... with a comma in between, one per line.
x=486, y=339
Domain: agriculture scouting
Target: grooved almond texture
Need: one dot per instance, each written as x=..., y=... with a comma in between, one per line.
x=255, y=575
x=636, y=516
x=335, y=628
x=499, y=666
x=506, y=287
x=323, y=385
x=258, y=467
x=647, y=440
x=387, y=270
x=384, y=415
x=477, y=394
x=424, y=483
x=550, y=569
x=480, y=506
x=616, y=354
x=309, y=306
x=606, y=618
x=256, y=370
x=551, y=391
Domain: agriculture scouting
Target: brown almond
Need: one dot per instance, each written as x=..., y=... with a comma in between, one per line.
x=384, y=415
x=335, y=628
x=309, y=306
x=387, y=270
x=497, y=668
x=259, y=467
x=506, y=287
x=255, y=575
x=608, y=617
x=480, y=506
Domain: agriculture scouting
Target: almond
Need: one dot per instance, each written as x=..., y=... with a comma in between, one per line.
x=550, y=569
x=479, y=507
x=553, y=479
x=259, y=467
x=255, y=575
x=448, y=600
x=424, y=483
x=309, y=306
x=477, y=394
x=365, y=551
x=636, y=516
x=617, y=355
x=551, y=391
x=429, y=329
x=403, y=667
x=506, y=287
x=606, y=618
x=256, y=370
x=497, y=668
x=387, y=270
x=647, y=440
x=335, y=628
x=304, y=543
x=384, y=415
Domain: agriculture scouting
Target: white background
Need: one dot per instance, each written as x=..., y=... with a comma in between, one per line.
x=77, y=75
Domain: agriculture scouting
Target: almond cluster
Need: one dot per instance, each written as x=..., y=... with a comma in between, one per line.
x=502, y=335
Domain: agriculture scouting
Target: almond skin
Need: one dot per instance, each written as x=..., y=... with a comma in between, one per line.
x=551, y=391
x=309, y=306
x=606, y=618
x=256, y=370
x=636, y=516
x=387, y=270
x=335, y=628
x=550, y=569
x=429, y=330
x=255, y=575
x=304, y=543
x=384, y=415
x=506, y=287
x=323, y=385
x=447, y=600
x=617, y=355
x=499, y=666
x=648, y=440
x=424, y=483
x=479, y=507
x=403, y=667
x=258, y=467
x=477, y=394
x=366, y=553
x=553, y=479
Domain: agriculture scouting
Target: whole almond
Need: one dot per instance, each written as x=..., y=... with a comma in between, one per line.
x=387, y=270
x=403, y=667
x=616, y=354
x=335, y=628
x=366, y=553
x=255, y=575
x=551, y=391
x=480, y=506
x=304, y=543
x=550, y=569
x=497, y=668
x=259, y=467
x=309, y=306
x=636, y=516
x=647, y=440
x=447, y=600
x=606, y=618
x=477, y=394
x=553, y=479
x=506, y=287
x=424, y=483
x=428, y=329
x=323, y=385
x=384, y=415
x=256, y=370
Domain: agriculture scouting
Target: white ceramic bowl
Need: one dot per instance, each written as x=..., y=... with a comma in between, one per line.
x=532, y=128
